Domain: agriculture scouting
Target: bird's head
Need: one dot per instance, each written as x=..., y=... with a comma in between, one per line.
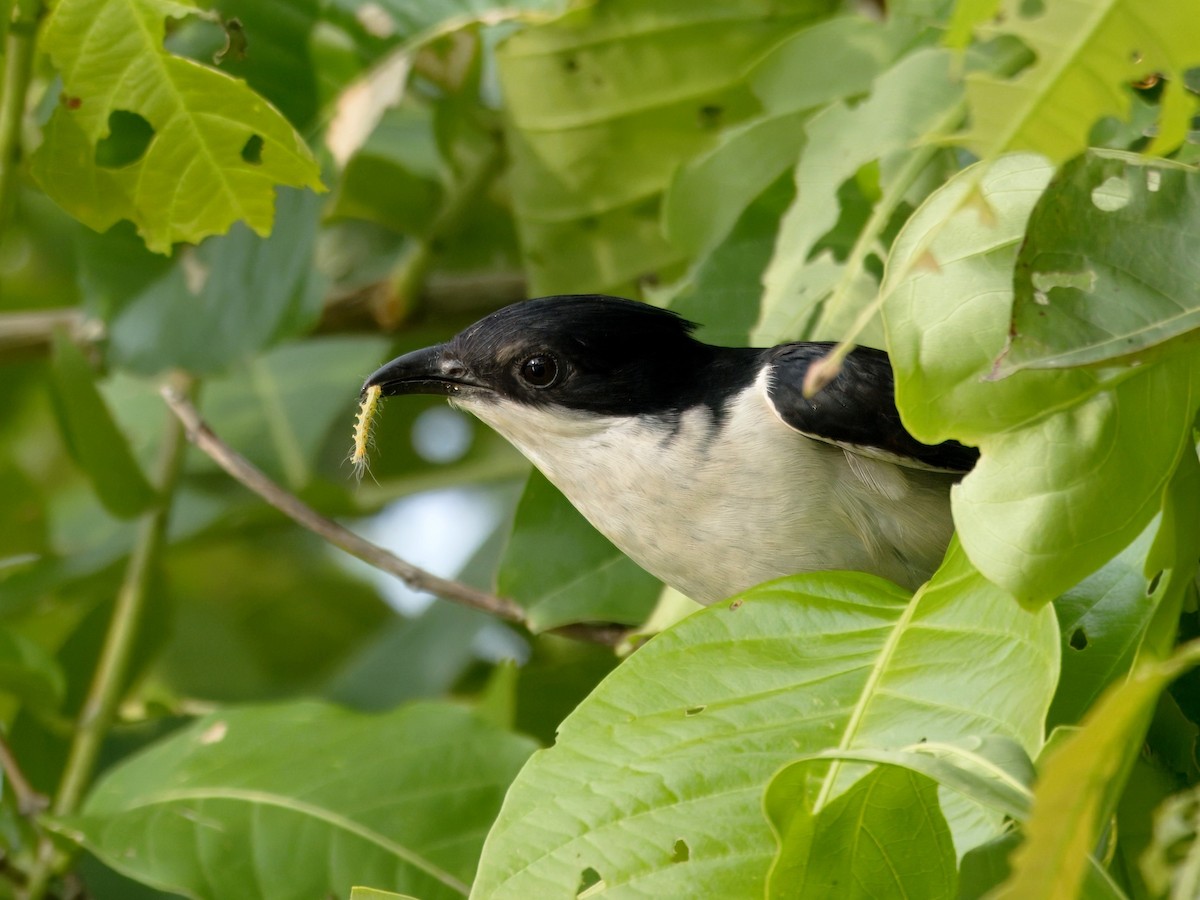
x=590, y=354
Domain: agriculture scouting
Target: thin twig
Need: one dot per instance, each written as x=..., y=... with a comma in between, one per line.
x=29, y=801
x=240, y=468
x=110, y=678
x=18, y=71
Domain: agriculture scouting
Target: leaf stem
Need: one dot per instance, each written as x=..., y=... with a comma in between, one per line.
x=29, y=801
x=19, y=47
x=109, y=681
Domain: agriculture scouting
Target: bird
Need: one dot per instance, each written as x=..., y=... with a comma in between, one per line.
x=706, y=465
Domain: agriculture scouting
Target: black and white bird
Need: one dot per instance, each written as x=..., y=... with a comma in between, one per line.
x=706, y=465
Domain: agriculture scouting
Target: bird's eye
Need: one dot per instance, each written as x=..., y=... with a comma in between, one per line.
x=540, y=371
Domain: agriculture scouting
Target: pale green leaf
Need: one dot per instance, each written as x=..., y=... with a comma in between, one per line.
x=885, y=837
x=587, y=197
x=1078, y=783
x=1087, y=54
x=304, y=800
x=675, y=748
x=912, y=99
x=830, y=60
x=994, y=772
x=1108, y=267
x=1036, y=514
x=217, y=150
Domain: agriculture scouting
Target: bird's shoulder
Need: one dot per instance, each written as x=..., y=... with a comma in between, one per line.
x=856, y=410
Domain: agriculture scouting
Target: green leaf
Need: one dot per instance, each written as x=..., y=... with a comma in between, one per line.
x=720, y=291
x=1171, y=863
x=808, y=290
x=1080, y=781
x=1087, y=53
x=194, y=177
x=226, y=299
x=994, y=772
x=394, y=179
x=1102, y=620
x=28, y=672
x=679, y=742
x=92, y=437
x=562, y=570
x=273, y=627
x=587, y=198
x=304, y=799
x=1107, y=267
x=886, y=836
x=366, y=893
x=1037, y=513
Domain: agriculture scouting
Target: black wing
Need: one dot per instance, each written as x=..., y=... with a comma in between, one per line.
x=857, y=410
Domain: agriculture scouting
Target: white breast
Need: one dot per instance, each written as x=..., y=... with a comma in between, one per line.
x=687, y=500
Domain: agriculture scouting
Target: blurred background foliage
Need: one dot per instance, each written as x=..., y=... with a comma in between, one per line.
x=374, y=176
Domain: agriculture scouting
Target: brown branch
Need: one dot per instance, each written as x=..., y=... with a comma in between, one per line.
x=29, y=801
x=244, y=471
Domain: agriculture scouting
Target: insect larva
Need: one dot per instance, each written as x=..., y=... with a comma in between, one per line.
x=362, y=429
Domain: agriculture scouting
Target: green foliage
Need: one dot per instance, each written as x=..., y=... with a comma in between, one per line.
x=184, y=170
x=1024, y=725
x=176, y=815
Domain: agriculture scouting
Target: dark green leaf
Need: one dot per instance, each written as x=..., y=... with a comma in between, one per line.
x=304, y=800
x=227, y=299
x=28, y=672
x=562, y=570
x=92, y=436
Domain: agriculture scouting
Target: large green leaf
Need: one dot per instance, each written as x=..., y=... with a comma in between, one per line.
x=216, y=150
x=1038, y=513
x=586, y=196
x=1079, y=783
x=305, y=800
x=885, y=837
x=562, y=570
x=1108, y=267
x=227, y=299
x=93, y=438
x=656, y=781
x=1086, y=53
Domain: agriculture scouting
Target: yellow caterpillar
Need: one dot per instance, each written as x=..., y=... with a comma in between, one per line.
x=362, y=429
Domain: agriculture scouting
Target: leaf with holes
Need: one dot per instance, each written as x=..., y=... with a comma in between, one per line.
x=1038, y=512
x=655, y=784
x=1108, y=267
x=305, y=795
x=588, y=198
x=182, y=150
x=1087, y=54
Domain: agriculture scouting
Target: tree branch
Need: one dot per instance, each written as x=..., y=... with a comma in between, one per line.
x=241, y=469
